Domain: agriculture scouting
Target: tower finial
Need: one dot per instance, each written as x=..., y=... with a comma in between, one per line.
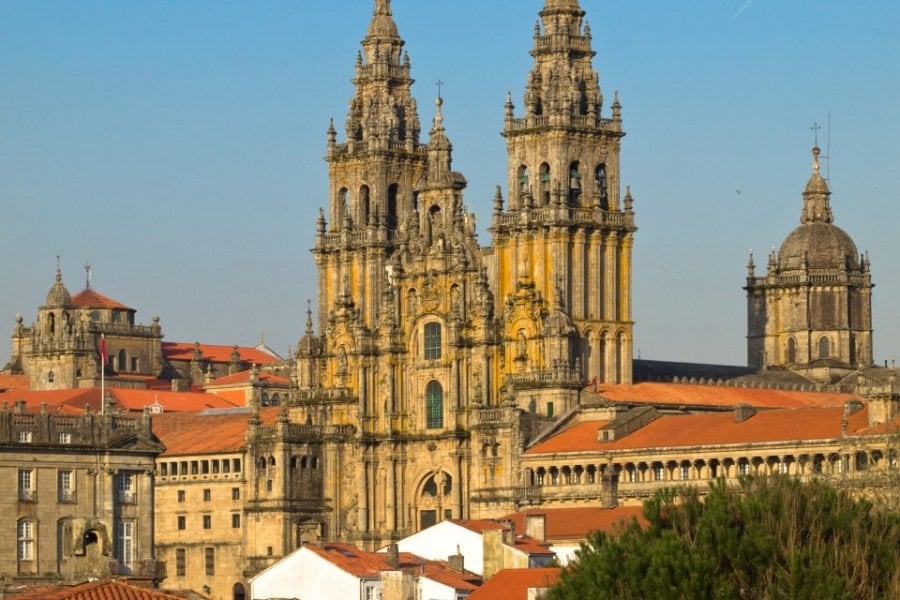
x=58, y=270
x=87, y=271
x=816, y=152
x=383, y=7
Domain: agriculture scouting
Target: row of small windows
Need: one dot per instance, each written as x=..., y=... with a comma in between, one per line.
x=575, y=185
x=209, y=564
x=63, y=438
x=126, y=486
x=823, y=347
x=181, y=521
x=200, y=467
x=207, y=494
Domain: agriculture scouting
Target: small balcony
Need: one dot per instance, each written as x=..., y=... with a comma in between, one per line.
x=66, y=496
x=27, y=495
x=127, y=497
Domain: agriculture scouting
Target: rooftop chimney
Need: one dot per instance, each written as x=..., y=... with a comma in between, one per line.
x=536, y=525
x=393, y=555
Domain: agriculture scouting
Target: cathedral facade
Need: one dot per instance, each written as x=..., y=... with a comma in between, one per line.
x=425, y=339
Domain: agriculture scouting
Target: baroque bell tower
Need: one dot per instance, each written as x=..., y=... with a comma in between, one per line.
x=563, y=242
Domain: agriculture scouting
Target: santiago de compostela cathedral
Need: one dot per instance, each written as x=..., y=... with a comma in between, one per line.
x=430, y=363
x=427, y=340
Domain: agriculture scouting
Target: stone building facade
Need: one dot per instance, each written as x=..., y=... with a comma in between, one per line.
x=423, y=334
x=78, y=500
x=62, y=348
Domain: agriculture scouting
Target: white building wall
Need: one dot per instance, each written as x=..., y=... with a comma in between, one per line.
x=432, y=590
x=440, y=541
x=303, y=574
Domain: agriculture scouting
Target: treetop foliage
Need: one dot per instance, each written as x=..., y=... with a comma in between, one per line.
x=767, y=538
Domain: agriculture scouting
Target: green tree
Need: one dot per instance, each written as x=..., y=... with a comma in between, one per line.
x=769, y=538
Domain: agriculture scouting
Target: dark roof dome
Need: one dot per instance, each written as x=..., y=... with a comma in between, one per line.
x=817, y=243
x=58, y=296
x=821, y=245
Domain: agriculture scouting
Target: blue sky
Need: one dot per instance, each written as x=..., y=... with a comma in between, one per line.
x=178, y=146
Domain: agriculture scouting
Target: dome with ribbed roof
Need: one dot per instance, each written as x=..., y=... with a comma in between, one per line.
x=817, y=243
x=58, y=296
x=820, y=246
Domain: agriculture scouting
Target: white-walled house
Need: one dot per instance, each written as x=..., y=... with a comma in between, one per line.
x=342, y=572
x=485, y=546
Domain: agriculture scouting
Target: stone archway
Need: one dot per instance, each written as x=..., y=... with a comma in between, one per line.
x=434, y=499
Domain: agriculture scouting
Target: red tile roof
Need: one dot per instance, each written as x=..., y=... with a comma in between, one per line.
x=513, y=584
x=243, y=378
x=189, y=433
x=90, y=299
x=522, y=543
x=368, y=565
x=95, y=590
x=217, y=354
x=122, y=399
x=14, y=382
x=676, y=394
x=577, y=523
x=709, y=429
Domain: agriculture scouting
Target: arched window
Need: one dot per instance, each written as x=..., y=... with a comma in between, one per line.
x=824, y=347
x=600, y=176
x=432, y=341
x=574, y=183
x=364, y=208
x=545, y=183
x=620, y=357
x=51, y=323
x=121, y=361
x=790, y=353
x=434, y=405
x=854, y=342
x=523, y=180
x=393, y=192
x=343, y=207
x=238, y=592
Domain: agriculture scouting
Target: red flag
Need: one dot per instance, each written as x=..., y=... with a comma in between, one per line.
x=103, y=355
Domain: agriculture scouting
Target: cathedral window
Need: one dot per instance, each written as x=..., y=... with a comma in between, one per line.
x=523, y=180
x=364, y=208
x=791, y=351
x=574, y=183
x=824, y=347
x=432, y=341
x=343, y=208
x=51, y=323
x=434, y=405
x=393, y=192
x=600, y=178
x=545, y=183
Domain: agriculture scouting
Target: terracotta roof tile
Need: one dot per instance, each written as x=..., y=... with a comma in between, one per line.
x=513, y=584
x=122, y=399
x=217, y=354
x=189, y=433
x=577, y=523
x=676, y=394
x=368, y=565
x=709, y=429
x=95, y=590
x=522, y=543
x=14, y=382
x=90, y=299
x=244, y=378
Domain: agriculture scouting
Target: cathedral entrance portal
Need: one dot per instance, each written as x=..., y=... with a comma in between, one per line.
x=433, y=500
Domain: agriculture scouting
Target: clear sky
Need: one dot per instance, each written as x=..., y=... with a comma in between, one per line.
x=177, y=146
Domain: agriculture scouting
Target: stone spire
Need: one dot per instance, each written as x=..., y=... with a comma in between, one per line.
x=382, y=111
x=816, y=207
